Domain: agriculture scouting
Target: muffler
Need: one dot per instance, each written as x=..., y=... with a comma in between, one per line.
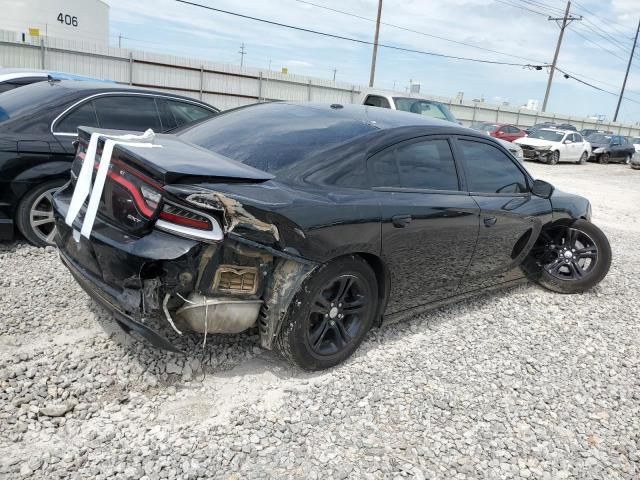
x=218, y=315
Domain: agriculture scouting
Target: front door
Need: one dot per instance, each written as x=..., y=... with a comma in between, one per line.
x=510, y=216
x=429, y=226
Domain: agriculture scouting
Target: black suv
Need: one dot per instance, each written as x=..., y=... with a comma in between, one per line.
x=38, y=124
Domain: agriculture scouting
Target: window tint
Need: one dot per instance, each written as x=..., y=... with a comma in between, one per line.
x=489, y=170
x=423, y=165
x=510, y=129
x=84, y=115
x=5, y=87
x=187, y=112
x=377, y=101
x=347, y=173
x=166, y=117
x=275, y=136
x=127, y=113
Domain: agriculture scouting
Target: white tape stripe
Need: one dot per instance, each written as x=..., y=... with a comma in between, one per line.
x=98, y=185
x=83, y=183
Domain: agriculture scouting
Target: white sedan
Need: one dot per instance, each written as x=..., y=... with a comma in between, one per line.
x=551, y=146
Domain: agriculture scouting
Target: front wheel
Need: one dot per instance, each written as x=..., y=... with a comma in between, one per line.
x=604, y=158
x=554, y=158
x=627, y=159
x=330, y=315
x=575, y=257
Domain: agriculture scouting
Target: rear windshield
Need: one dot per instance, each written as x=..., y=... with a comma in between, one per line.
x=18, y=101
x=424, y=107
x=275, y=136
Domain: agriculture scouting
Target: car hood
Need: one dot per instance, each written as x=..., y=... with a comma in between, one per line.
x=534, y=142
x=598, y=145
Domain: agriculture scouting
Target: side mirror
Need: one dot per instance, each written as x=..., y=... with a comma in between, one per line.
x=568, y=142
x=542, y=189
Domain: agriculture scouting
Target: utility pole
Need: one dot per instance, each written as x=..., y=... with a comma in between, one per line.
x=334, y=74
x=566, y=20
x=375, y=45
x=119, y=40
x=242, y=54
x=626, y=75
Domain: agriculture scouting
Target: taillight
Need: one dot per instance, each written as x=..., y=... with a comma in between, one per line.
x=188, y=223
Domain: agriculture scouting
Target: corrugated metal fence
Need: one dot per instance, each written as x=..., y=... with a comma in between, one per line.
x=227, y=86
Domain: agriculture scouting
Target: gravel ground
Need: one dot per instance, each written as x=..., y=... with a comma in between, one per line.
x=520, y=384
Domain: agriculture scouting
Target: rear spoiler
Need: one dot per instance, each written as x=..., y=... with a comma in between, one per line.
x=177, y=161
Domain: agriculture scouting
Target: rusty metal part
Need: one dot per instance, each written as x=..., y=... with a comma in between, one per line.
x=285, y=281
x=218, y=315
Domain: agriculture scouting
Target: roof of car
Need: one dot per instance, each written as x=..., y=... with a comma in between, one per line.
x=559, y=130
x=381, y=118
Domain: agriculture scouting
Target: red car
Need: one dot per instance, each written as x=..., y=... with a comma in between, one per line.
x=502, y=131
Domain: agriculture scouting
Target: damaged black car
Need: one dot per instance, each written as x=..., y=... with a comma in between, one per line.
x=312, y=223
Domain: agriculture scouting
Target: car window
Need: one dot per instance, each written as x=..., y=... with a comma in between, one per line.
x=166, y=117
x=489, y=170
x=426, y=164
x=346, y=173
x=84, y=115
x=424, y=107
x=128, y=112
x=578, y=137
x=5, y=87
x=377, y=101
x=185, y=112
x=509, y=129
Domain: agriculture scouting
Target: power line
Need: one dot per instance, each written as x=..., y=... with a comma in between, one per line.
x=414, y=31
x=608, y=21
x=521, y=7
x=573, y=77
x=362, y=42
x=597, y=44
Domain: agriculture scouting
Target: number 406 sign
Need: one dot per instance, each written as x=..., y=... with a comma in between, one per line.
x=68, y=20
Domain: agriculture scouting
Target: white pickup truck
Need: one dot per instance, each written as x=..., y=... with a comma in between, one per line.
x=422, y=106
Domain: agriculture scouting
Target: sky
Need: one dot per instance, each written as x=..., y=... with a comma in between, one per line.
x=595, y=49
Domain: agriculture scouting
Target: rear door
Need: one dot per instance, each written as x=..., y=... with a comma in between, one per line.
x=429, y=223
x=510, y=216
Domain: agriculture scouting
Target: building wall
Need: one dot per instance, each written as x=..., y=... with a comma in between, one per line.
x=227, y=86
x=85, y=20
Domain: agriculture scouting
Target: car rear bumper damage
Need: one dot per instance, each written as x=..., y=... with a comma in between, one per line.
x=226, y=286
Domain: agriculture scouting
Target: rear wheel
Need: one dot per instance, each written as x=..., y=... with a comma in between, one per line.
x=554, y=158
x=627, y=159
x=34, y=216
x=330, y=314
x=583, y=158
x=604, y=158
x=575, y=257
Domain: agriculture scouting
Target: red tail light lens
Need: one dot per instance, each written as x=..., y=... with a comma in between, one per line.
x=187, y=218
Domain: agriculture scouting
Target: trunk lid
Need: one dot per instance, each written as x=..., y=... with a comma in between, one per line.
x=134, y=198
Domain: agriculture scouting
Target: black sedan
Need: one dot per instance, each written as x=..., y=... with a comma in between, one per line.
x=313, y=223
x=610, y=148
x=38, y=124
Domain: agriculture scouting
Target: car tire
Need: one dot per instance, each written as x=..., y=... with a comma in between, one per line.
x=603, y=158
x=627, y=159
x=323, y=326
x=554, y=158
x=583, y=158
x=34, y=215
x=579, y=241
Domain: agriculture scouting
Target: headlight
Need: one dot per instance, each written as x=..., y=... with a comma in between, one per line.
x=544, y=147
x=599, y=150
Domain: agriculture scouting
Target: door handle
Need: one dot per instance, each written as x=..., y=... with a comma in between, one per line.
x=401, y=221
x=489, y=221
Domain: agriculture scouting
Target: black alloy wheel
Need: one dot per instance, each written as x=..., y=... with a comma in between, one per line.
x=603, y=158
x=337, y=314
x=574, y=257
x=330, y=315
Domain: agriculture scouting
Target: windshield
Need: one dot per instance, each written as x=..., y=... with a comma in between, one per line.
x=274, y=136
x=424, y=107
x=599, y=138
x=550, y=135
x=24, y=100
x=486, y=127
